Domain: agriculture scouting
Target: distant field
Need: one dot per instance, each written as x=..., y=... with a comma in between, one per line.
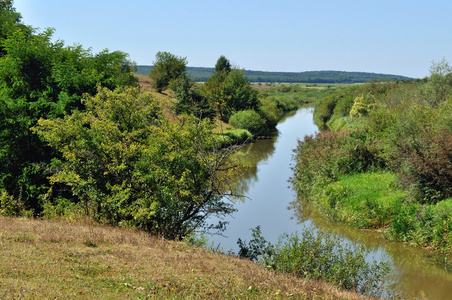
x=264, y=86
x=310, y=77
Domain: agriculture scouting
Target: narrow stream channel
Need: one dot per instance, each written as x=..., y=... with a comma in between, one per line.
x=266, y=186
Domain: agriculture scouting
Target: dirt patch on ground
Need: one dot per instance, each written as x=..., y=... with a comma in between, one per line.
x=145, y=82
x=261, y=87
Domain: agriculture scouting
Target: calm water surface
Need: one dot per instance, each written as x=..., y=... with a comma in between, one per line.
x=266, y=186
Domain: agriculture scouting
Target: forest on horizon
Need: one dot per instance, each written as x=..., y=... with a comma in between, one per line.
x=202, y=74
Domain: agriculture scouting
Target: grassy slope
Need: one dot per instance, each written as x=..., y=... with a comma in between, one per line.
x=145, y=85
x=55, y=259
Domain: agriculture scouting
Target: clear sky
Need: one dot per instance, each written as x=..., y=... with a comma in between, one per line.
x=400, y=37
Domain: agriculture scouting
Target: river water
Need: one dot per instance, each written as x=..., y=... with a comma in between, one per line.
x=268, y=200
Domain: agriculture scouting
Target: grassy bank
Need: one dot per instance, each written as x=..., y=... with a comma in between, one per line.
x=55, y=259
x=373, y=201
x=384, y=161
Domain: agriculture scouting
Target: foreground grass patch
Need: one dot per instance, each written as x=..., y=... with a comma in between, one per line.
x=54, y=259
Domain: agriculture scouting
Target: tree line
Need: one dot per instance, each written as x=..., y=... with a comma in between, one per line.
x=203, y=74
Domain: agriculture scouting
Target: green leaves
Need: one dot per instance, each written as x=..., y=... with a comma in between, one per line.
x=319, y=255
x=228, y=92
x=167, y=67
x=249, y=120
x=44, y=79
x=132, y=166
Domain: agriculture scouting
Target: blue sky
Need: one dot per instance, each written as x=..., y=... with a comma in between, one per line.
x=398, y=37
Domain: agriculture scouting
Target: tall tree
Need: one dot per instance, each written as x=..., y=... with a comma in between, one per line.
x=229, y=91
x=167, y=67
x=223, y=64
x=9, y=22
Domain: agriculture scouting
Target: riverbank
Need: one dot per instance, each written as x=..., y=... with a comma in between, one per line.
x=384, y=163
x=58, y=259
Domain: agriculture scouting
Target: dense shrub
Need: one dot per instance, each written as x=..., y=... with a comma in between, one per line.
x=232, y=137
x=425, y=225
x=40, y=78
x=419, y=139
x=403, y=129
x=10, y=206
x=270, y=112
x=129, y=165
x=324, y=111
x=320, y=160
x=249, y=120
x=319, y=255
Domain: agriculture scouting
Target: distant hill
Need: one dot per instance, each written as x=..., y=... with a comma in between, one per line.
x=202, y=74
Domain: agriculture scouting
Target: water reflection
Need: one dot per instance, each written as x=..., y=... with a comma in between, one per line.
x=249, y=156
x=265, y=184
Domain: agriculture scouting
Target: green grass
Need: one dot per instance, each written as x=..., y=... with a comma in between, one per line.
x=373, y=201
x=366, y=200
x=428, y=226
x=232, y=137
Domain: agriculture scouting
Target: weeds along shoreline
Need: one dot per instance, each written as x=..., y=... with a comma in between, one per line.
x=385, y=160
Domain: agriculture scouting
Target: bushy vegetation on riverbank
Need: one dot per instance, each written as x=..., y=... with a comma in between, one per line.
x=319, y=255
x=386, y=160
x=78, y=134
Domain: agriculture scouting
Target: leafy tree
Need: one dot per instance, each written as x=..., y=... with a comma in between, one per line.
x=167, y=67
x=41, y=78
x=9, y=22
x=130, y=165
x=241, y=94
x=223, y=64
x=362, y=105
x=439, y=85
x=230, y=91
x=190, y=99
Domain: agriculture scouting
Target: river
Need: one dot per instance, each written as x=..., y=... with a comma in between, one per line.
x=268, y=200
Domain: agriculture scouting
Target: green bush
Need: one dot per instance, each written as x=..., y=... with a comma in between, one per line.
x=270, y=112
x=239, y=136
x=10, y=206
x=249, y=120
x=324, y=110
x=321, y=160
x=424, y=225
x=62, y=208
x=232, y=137
x=131, y=166
x=319, y=255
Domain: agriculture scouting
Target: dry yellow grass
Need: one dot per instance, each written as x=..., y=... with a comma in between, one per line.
x=165, y=98
x=61, y=260
x=145, y=86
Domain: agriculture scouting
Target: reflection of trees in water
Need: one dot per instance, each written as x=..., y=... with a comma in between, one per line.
x=416, y=271
x=249, y=157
